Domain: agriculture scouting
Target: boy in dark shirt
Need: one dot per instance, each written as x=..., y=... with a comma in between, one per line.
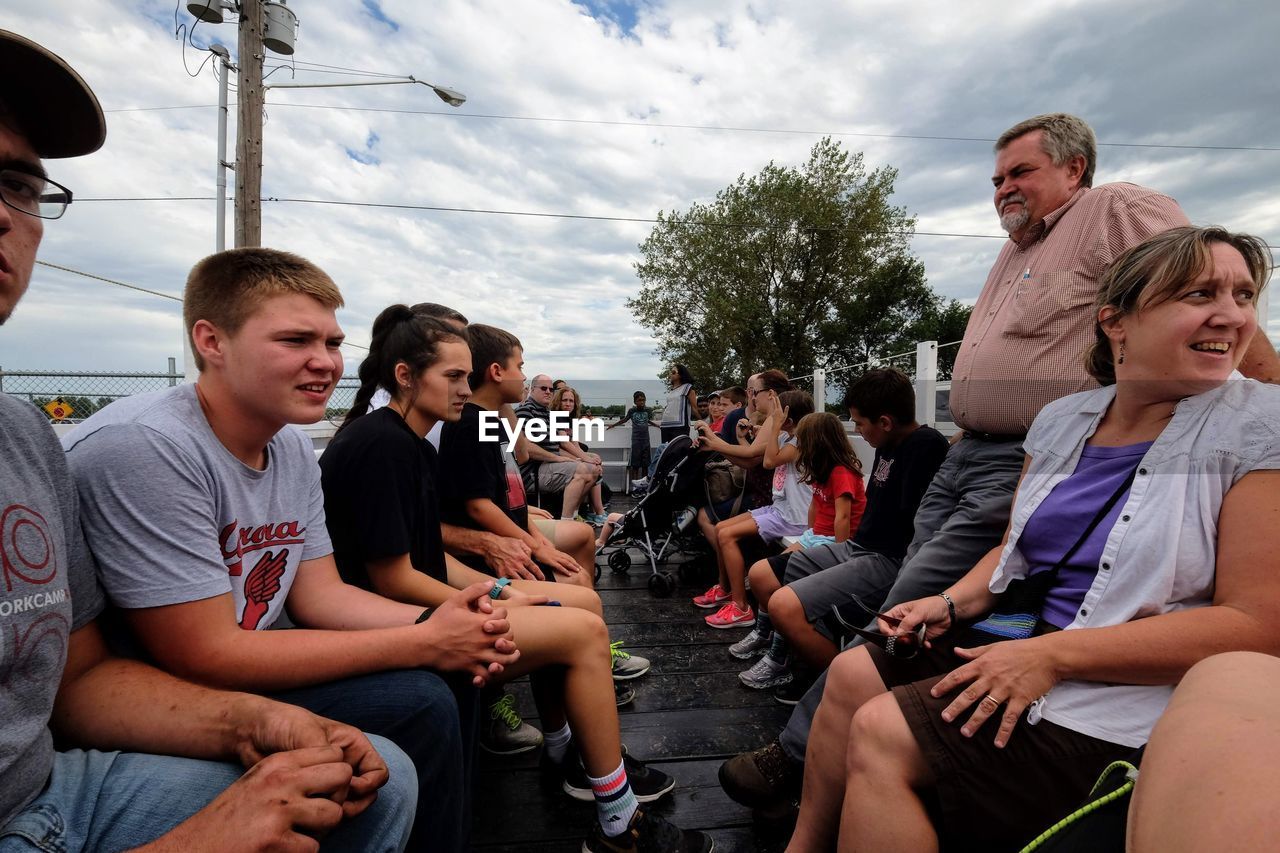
x=481, y=486
x=820, y=582
x=881, y=403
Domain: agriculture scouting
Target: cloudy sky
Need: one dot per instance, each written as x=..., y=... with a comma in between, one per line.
x=610, y=109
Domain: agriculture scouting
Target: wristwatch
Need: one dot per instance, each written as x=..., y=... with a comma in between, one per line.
x=498, y=585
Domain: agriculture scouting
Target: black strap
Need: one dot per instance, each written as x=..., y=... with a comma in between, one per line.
x=1097, y=519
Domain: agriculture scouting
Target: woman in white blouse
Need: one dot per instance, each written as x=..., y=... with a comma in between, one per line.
x=1144, y=537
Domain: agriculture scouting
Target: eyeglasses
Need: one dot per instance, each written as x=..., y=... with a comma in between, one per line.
x=33, y=195
x=905, y=647
x=751, y=392
x=542, y=387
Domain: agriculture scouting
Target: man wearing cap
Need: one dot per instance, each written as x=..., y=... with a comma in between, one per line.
x=306, y=776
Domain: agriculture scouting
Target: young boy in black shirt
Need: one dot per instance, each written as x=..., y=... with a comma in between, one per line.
x=481, y=487
x=881, y=403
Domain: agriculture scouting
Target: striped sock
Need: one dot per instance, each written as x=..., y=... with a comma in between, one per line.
x=615, y=803
x=557, y=743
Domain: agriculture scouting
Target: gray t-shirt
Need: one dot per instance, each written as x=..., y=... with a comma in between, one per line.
x=49, y=590
x=171, y=516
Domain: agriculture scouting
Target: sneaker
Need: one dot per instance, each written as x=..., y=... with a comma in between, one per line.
x=751, y=645
x=596, y=518
x=506, y=733
x=763, y=778
x=730, y=616
x=765, y=674
x=626, y=666
x=793, y=691
x=641, y=484
x=623, y=694
x=649, y=833
x=684, y=518
x=646, y=783
x=712, y=598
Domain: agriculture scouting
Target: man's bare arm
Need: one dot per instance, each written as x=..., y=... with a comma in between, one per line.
x=1260, y=360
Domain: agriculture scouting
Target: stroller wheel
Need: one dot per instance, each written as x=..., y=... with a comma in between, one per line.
x=620, y=562
x=662, y=584
x=598, y=570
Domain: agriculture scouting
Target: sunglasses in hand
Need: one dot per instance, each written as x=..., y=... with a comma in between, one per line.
x=902, y=646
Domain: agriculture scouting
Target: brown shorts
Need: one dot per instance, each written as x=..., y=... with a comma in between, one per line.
x=987, y=797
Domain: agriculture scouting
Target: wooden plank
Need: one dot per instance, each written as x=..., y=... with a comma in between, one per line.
x=697, y=802
x=690, y=714
x=689, y=660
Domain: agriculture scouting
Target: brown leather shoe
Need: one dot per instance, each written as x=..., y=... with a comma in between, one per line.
x=764, y=779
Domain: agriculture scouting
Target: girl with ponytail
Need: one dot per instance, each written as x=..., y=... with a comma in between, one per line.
x=384, y=520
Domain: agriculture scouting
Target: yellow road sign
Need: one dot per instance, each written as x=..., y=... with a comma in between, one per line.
x=58, y=410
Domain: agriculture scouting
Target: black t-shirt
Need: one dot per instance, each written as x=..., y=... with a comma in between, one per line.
x=729, y=429
x=896, y=484
x=380, y=497
x=471, y=468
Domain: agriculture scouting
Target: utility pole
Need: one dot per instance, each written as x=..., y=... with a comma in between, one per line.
x=249, y=97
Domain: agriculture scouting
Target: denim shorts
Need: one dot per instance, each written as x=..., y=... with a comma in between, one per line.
x=121, y=800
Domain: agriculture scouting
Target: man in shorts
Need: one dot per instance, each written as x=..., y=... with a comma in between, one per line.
x=547, y=471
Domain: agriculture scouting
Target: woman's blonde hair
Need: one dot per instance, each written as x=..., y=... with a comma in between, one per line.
x=559, y=395
x=1155, y=271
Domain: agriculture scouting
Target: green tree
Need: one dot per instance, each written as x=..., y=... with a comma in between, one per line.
x=794, y=268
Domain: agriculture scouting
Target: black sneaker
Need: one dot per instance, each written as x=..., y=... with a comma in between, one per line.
x=792, y=692
x=646, y=783
x=648, y=833
x=623, y=694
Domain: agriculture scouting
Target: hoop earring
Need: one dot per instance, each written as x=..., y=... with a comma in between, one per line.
x=1120, y=360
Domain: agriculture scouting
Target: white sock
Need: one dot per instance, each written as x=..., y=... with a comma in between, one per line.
x=557, y=743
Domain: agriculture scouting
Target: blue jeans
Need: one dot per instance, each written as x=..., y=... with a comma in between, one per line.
x=961, y=517
x=113, y=801
x=433, y=719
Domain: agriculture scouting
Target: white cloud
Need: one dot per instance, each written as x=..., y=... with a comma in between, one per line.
x=1142, y=71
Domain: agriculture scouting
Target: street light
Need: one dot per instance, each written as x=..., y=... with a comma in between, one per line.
x=452, y=97
x=278, y=36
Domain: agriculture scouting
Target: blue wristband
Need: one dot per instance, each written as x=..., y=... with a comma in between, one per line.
x=496, y=592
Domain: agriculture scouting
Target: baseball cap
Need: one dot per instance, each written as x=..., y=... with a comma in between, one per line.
x=54, y=108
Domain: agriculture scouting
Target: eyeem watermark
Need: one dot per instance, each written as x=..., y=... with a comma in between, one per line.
x=562, y=427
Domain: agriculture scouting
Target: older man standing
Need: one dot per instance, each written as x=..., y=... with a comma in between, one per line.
x=1023, y=347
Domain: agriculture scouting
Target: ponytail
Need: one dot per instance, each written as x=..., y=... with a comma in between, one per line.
x=399, y=335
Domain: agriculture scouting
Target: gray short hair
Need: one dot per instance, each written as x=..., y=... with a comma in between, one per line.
x=1064, y=137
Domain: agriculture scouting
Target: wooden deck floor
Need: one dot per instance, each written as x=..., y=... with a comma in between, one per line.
x=689, y=714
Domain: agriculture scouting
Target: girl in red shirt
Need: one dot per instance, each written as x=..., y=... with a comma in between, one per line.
x=827, y=462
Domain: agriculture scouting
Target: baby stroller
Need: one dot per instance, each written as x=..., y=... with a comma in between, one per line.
x=669, y=505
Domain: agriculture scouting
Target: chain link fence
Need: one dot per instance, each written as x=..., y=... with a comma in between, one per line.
x=71, y=397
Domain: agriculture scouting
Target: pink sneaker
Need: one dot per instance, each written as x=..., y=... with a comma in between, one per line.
x=712, y=597
x=730, y=616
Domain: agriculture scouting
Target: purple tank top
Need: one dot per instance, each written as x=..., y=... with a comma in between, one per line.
x=1064, y=514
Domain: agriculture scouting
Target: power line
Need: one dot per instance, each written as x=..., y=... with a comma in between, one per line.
x=711, y=127
x=109, y=281
x=137, y=288
x=542, y=215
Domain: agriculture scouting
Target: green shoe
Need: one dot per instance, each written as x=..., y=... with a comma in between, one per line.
x=626, y=666
x=505, y=733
